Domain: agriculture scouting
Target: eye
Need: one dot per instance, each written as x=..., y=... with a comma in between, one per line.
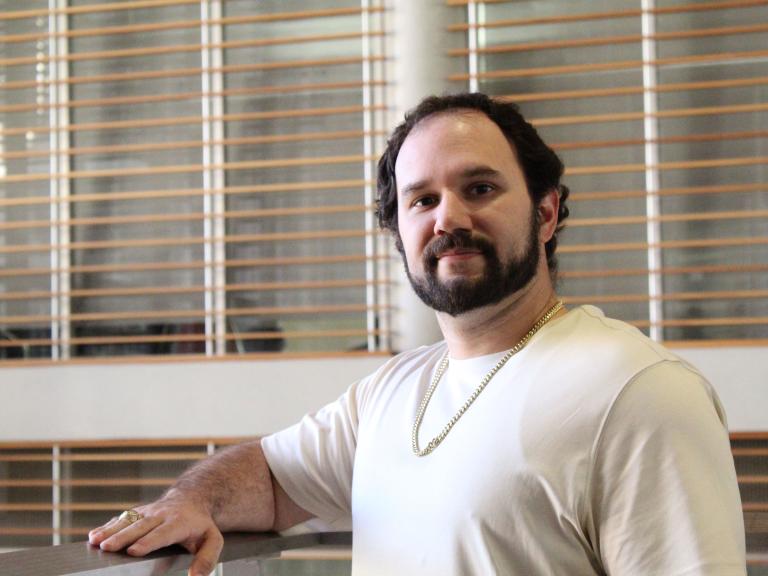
x=481, y=189
x=424, y=202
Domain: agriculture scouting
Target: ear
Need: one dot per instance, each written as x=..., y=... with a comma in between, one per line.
x=547, y=213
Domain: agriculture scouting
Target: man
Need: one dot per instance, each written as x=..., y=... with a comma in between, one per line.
x=533, y=440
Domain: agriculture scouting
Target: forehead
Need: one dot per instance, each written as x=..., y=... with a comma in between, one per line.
x=450, y=142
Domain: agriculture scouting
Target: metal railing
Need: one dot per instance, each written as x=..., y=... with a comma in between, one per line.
x=80, y=558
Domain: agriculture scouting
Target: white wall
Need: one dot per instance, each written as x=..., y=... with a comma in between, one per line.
x=740, y=376
x=159, y=400
x=241, y=398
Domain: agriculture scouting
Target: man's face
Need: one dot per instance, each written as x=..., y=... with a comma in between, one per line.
x=469, y=231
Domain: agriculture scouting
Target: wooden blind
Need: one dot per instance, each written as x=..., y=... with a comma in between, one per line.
x=659, y=110
x=55, y=492
x=189, y=179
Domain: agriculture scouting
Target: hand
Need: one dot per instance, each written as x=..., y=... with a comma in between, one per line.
x=174, y=519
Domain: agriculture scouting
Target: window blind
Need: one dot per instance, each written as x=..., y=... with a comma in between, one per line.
x=55, y=493
x=658, y=108
x=186, y=179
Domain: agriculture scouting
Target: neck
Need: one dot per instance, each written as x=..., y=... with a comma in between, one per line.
x=500, y=326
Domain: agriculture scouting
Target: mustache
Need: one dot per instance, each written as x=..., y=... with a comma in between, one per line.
x=457, y=240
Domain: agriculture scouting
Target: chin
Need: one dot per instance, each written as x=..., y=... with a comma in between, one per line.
x=451, y=280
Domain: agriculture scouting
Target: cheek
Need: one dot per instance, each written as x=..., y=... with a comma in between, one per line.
x=409, y=245
x=412, y=241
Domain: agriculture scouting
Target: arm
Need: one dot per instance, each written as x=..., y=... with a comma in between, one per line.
x=233, y=490
x=664, y=495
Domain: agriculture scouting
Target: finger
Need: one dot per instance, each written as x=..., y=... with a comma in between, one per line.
x=164, y=533
x=117, y=523
x=96, y=535
x=207, y=555
x=124, y=534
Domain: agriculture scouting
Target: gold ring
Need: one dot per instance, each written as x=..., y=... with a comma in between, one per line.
x=131, y=515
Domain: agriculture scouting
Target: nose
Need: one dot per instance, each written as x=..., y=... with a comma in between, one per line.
x=451, y=215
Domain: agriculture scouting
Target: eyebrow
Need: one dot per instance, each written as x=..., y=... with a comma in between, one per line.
x=466, y=174
x=414, y=187
x=484, y=171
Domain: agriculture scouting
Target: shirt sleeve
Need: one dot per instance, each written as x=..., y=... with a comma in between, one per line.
x=313, y=459
x=664, y=497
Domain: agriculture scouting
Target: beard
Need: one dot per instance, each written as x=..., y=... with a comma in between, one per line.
x=499, y=280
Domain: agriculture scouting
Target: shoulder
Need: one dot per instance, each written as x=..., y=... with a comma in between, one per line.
x=603, y=354
x=644, y=371
x=666, y=415
x=661, y=464
x=613, y=340
x=599, y=371
x=668, y=397
x=412, y=358
x=398, y=371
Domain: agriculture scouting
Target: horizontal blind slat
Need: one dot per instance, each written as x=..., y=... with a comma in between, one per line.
x=182, y=169
x=93, y=8
x=185, y=24
x=141, y=4
x=630, y=90
x=686, y=217
x=153, y=218
x=197, y=144
x=86, y=482
x=182, y=120
x=605, y=15
x=68, y=507
x=184, y=72
x=187, y=338
x=644, y=246
x=189, y=314
x=611, y=40
x=182, y=48
x=179, y=96
x=193, y=265
x=189, y=192
x=639, y=116
x=682, y=165
x=200, y=442
x=682, y=139
x=667, y=296
x=187, y=241
x=191, y=289
x=664, y=270
x=679, y=191
x=193, y=358
x=614, y=65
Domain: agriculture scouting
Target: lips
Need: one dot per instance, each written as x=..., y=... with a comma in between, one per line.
x=459, y=253
x=460, y=245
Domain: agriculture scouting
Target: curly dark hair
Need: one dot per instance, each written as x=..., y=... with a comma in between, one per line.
x=541, y=167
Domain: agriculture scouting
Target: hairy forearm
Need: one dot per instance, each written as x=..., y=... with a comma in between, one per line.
x=235, y=486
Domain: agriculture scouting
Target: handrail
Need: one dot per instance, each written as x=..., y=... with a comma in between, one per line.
x=81, y=559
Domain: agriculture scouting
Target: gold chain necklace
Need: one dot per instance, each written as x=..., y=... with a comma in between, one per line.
x=435, y=442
